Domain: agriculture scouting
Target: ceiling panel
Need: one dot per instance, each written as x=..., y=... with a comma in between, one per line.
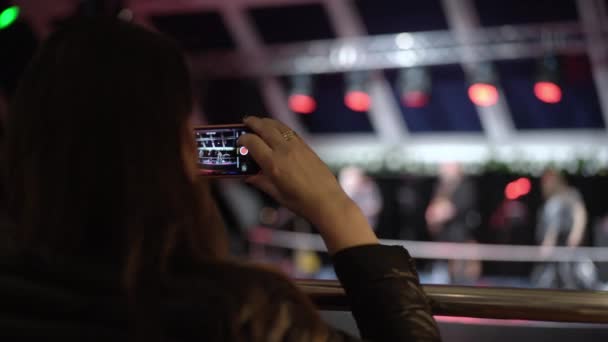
x=449, y=108
x=392, y=16
x=332, y=116
x=292, y=23
x=495, y=13
x=579, y=107
x=196, y=32
x=228, y=101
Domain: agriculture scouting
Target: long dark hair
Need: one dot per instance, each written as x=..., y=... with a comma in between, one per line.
x=95, y=153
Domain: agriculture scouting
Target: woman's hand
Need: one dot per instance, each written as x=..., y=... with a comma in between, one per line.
x=295, y=176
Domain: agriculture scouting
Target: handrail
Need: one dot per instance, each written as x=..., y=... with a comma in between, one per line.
x=487, y=302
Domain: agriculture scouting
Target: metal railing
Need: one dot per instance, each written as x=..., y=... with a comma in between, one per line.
x=487, y=302
x=442, y=250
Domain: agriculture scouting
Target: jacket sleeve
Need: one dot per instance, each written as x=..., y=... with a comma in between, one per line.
x=386, y=298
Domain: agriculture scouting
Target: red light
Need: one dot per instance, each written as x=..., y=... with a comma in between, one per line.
x=524, y=186
x=511, y=191
x=358, y=101
x=301, y=103
x=243, y=150
x=415, y=99
x=548, y=92
x=518, y=188
x=483, y=94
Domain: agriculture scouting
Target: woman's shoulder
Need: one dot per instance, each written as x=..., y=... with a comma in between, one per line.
x=241, y=283
x=236, y=273
x=256, y=299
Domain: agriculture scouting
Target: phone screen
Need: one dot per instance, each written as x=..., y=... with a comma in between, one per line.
x=218, y=153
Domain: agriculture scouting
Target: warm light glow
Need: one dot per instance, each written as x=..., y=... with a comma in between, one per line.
x=415, y=99
x=302, y=103
x=548, y=92
x=511, y=191
x=358, y=101
x=518, y=188
x=483, y=94
x=524, y=186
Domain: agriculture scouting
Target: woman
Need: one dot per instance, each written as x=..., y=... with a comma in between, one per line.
x=116, y=237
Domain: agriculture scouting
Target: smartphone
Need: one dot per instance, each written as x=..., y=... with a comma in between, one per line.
x=218, y=153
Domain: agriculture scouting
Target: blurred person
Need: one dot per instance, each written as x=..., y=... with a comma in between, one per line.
x=451, y=217
x=363, y=190
x=118, y=238
x=599, y=272
x=409, y=206
x=510, y=217
x=510, y=223
x=562, y=221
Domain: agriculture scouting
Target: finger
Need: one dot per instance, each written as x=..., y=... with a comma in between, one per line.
x=278, y=125
x=287, y=142
x=260, y=151
x=263, y=183
x=266, y=130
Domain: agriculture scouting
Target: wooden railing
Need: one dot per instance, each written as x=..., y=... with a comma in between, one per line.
x=487, y=302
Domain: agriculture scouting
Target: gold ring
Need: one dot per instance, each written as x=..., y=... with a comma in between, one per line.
x=288, y=135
